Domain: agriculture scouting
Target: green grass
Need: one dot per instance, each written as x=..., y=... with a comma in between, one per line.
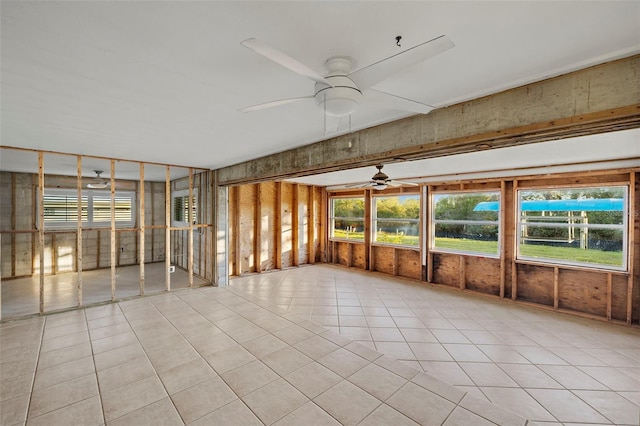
x=597, y=257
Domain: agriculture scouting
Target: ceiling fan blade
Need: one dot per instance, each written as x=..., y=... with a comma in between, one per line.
x=284, y=60
x=273, y=104
x=400, y=183
x=386, y=100
x=378, y=71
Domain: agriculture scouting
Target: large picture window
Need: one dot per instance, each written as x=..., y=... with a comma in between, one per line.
x=347, y=218
x=396, y=220
x=466, y=223
x=61, y=208
x=574, y=226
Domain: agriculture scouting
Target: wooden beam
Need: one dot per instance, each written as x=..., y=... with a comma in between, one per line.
x=141, y=225
x=367, y=228
x=556, y=287
x=609, y=290
x=257, y=229
x=428, y=237
x=514, y=265
x=502, y=242
x=190, y=230
x=311, y=226
x=462, y=273
x=295, y=222
x=278, y=225
x=79, y=228
x=167, y=229
x=632, y=242
x=237, y=262
x=13, y=223
x=395, y=262
x=41, y=227
x=114, y=248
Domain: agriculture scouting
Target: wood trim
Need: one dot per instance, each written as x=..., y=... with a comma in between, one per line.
x=113, y=231
x=141, y=225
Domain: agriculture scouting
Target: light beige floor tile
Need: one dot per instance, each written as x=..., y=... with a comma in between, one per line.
x=465, y=352
x=530, y=376
x=365, y=349
x=114, y=342
x=59, y=373
x=128, y=398
x=274, y=401
x=464, y=417
x=448, y=371
x=15, y=386
x=490, y=412
x=347, y=403
x=377, y=381
x=571, y=377
x=611, y=405
x=60, y=342
x=343, y=362
x=249, y=377
x=244, y=334
x=167, y=359
x=309, y=415
x=430, y=352
x=293, y=334
x=438, y=387
x=518, y=401
x=397, y=367
x=384, y=416
x=63, y=330
x=421, y=405
x=481, y=337
x=613, y=378
x=418, y=335
x=110, y=330
x=203, y=398
x=234, y=413
x=539, y=355
x=124, y=374
x=230, y=358
x=333, y=335
x=85, y=412
x=316, y=347
x=13, y=411
x=566, y=407
x=186, y=375
x=486, y=374
x=45, y=400
x=61, y=356
x=503, y=354
x=408, y=322
x=313, y=379
x=121, y=355
x=286, y=360
x=397, y=350
x=264, y=345
x=382, y=334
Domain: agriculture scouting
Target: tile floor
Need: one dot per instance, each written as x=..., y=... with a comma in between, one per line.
x=548, y=367
x=231, y=356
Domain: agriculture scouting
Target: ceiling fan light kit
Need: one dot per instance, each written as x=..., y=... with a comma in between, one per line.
x=98, y=182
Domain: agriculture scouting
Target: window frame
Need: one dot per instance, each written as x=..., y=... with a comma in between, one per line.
x=90, y=221
x=332, y=218
x=433, y=222
x=624, y=227
x=184, y=194
x=375, y=219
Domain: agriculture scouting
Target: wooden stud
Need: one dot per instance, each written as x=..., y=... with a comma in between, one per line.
x=41, y=227
x=13, y=223
x=350, y=255
x=236, y=233
x=609, y=289
x=462, y=273
x=501, y=232
x=395, y=262
x=295, y=221
x=141, y=224
x=367, y=228
x=632, y=242
x=114, y=248
x=257, y=229
x=323, y=230
x=167, y=228
x=278, y=225
x=311, y=227
x=79, y=229
x=514, y=271
x=556, y=287
x=190, y=231
x=429, y=229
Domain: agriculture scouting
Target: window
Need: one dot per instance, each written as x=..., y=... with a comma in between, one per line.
x=180, y=208
x=574, y=226
x=466, y=223
x=347, y=218
x=61, y=208
x=396, y=220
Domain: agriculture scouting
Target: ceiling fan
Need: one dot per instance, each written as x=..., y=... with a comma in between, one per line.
x=340, y=92
x=381, y=181
x=98, y=182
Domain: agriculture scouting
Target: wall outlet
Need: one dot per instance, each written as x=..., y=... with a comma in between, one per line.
x=172, y=269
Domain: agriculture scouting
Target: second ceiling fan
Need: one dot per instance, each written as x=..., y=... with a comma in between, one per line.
x=340, y=92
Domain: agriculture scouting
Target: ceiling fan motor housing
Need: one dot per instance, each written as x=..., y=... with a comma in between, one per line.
x=344, y=97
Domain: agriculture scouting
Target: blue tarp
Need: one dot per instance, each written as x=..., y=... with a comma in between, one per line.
x=597, y=205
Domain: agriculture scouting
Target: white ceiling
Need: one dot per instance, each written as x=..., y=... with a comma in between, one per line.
x=163, y=81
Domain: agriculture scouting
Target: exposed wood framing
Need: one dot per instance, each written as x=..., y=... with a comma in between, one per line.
x=633, y=217
x=311, y=242
x=367, y=227
x=141, y=225
x=295, y=231
x=41, y=227
x=514, y=265
x=257, y=229
x=503, y=248
x=278, y=225
x=167, y=229
x=463, y=276
x=79, y=230
x=113, y=230
x=609, y=295
x=237, y=270
x=190, y=218
x=428, y=230
x=13, y=224
x=556, y=287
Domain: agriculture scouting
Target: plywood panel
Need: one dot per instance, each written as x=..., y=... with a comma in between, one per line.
x=535, y=284
x=446, y=269
x=408, y=264
x=483, y=275
x=583, y=291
